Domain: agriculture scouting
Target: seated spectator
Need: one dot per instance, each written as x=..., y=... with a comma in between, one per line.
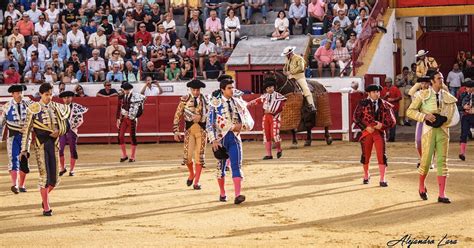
x=10, y=61
x=149, y=25
x=337, y=31
x=138, y=13
x=136, y=63
x=360, y=27
x=173, y=72
x=42, y=28
x=12, y=12
x=26, y=27
x=55, y=62
x=49, y=75
x=156, y=16
x=8, y=26
x=256, y=5
x=19, y=53
x=363, y=6
x=114, y=46
x=238, y=6
x=355, y=87
x=79, y=90
x=43, y=52
x=34, y=61
x=362, y=16
x=187, y=71
x=179, y=5
x=222, y=50
x=317, y=13
x=140, y=49
x=329, y=37
x=157, y=44
x=344, y=21
x=61, y=88
x=151, y=87
x=14, y=37
x=297, y=16
x=191, y=52
x=34, y=76
x=96, y=66
x=170, y=27
x=82, y=19
x=116, y=59
x=98, y=40
x=281, y=27
x=165, y=37
x=150, y=71
x=339, y=6
x=205, y=49
x=325, y=58
x=351, y=42
x=83, y=75
x=144, y=35
x=214, y=26
x=129, y=27
x=194, y=5
x=122, y=39
x=341, y=56
x=131, y=74
x=107, y=91
x=232, y=28
x=178, y=48
x=195, y=30
x=108, y=28
x=69, y=75
x=213, y=5
x=53, y=37
x=75, y=61
x=213, y=69
x=52, y=14
x=115, y=75
x=75, y=39
x=90, y=29
x=353, y=12
x=11, y=75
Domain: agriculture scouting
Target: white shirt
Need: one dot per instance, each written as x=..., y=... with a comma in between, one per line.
x=34, y=15
x=181, y=50
x=344, y=22
x=75, y=38
x=152, y=91
x=44, y=29
x=90, y=4
x=96, y=65
x=169, y=25
x=282, y=24
x=16, y=15
x=96, y=40
x=455, y=78
x=43, y=52
x=52, y=15
x=206, y=49
x=234, y=22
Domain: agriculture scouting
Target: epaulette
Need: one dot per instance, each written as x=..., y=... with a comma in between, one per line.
x=364, y=102
x=431, y=59
x=34, y=108
x=185, y=98
x=215, y=102
x=448, y=98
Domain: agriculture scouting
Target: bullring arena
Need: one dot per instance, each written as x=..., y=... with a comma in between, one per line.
x=311, y=197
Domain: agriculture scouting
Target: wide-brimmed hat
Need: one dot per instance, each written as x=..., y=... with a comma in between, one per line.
x=288, y=50
x=196, y=84
x=373, y=87
x=66, y=93
x=423, y=79
x=16, y=88
x=172, y=61
x=421, y=53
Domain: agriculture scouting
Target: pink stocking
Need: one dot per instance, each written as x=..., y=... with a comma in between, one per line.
x=237, y=185
x=442, y=186
x=382, y=169
x=61, y=163
x=268, y=148
x=198, y=174
x=44, y=197
x=422, y=183
x=14, y=177
x=73, y=164
x=221, y=182
x=22, y=179
x=134, y=150
x=366, y=171
x=124, y=150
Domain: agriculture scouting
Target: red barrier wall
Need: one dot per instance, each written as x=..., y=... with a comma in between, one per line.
x=156, y=123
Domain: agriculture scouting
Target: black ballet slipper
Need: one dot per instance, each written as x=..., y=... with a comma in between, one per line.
x=14, y=189
x=123, y=159
x=444, y=200
x=222, y=198
x=189, y=182
x=61, y=173
x=239, y=199
x=48, y=213
x=279, y=154
x=23, y=190
x=267, y=157
x=197, y=187
x=383, y=184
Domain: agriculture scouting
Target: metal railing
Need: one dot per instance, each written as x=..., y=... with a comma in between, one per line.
x=368, y=33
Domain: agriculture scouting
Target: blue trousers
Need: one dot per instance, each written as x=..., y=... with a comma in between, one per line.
x=13, y=150
x=233, y=145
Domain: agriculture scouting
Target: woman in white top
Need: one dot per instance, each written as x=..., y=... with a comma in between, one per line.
x=115, y=59
x=170, y=27
x=281, y=27
x=52, y=14
x=178, y=48
x=231, y=27
x=11, y=11
x=340, y=5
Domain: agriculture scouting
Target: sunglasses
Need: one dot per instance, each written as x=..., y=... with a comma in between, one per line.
x=108, y=85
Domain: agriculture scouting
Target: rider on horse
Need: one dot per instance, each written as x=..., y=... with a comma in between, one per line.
x=294, y=69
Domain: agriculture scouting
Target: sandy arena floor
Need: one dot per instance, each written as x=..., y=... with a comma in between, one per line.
x=312, y=197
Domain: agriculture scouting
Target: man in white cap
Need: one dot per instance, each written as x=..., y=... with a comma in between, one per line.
x=294, y=69
x=424, y=63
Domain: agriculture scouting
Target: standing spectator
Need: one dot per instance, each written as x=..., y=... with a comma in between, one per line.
x=281, y=27
x=232, y=28
x=63, y=51
x=75, y=39
x=342, y=57
x=26, y=27
x=297, y=15
x=213, y=5
x=391, y=94
x=170, y=27
x=404, y=83
x=52, y=14
x=195, y=31
x=34, y=76
x=34, y=13
x=256, y=5
x=115, y=75
x=42, y=28
x=16, y=37
x=151, y=87
x=96, y=66
x=83, y=75
x=43, y=52
x=130, y=74
x=325, y=58
x=173, y=72
x=454, y=79
x=144, y=35
x=205, y=49
x=317, y=13
x=11, y=75
x=98, y=40
x=468, y=72
x=179, y=5
x=68, y=16
x=214, y=26
x=107, y=91
x=114, y=46
x=213, y=69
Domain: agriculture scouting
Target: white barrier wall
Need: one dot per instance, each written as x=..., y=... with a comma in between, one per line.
x=383, y=62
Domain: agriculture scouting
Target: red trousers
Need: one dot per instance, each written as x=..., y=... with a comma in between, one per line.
x=126, y=124
x=377, y=138
x=271, y=128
